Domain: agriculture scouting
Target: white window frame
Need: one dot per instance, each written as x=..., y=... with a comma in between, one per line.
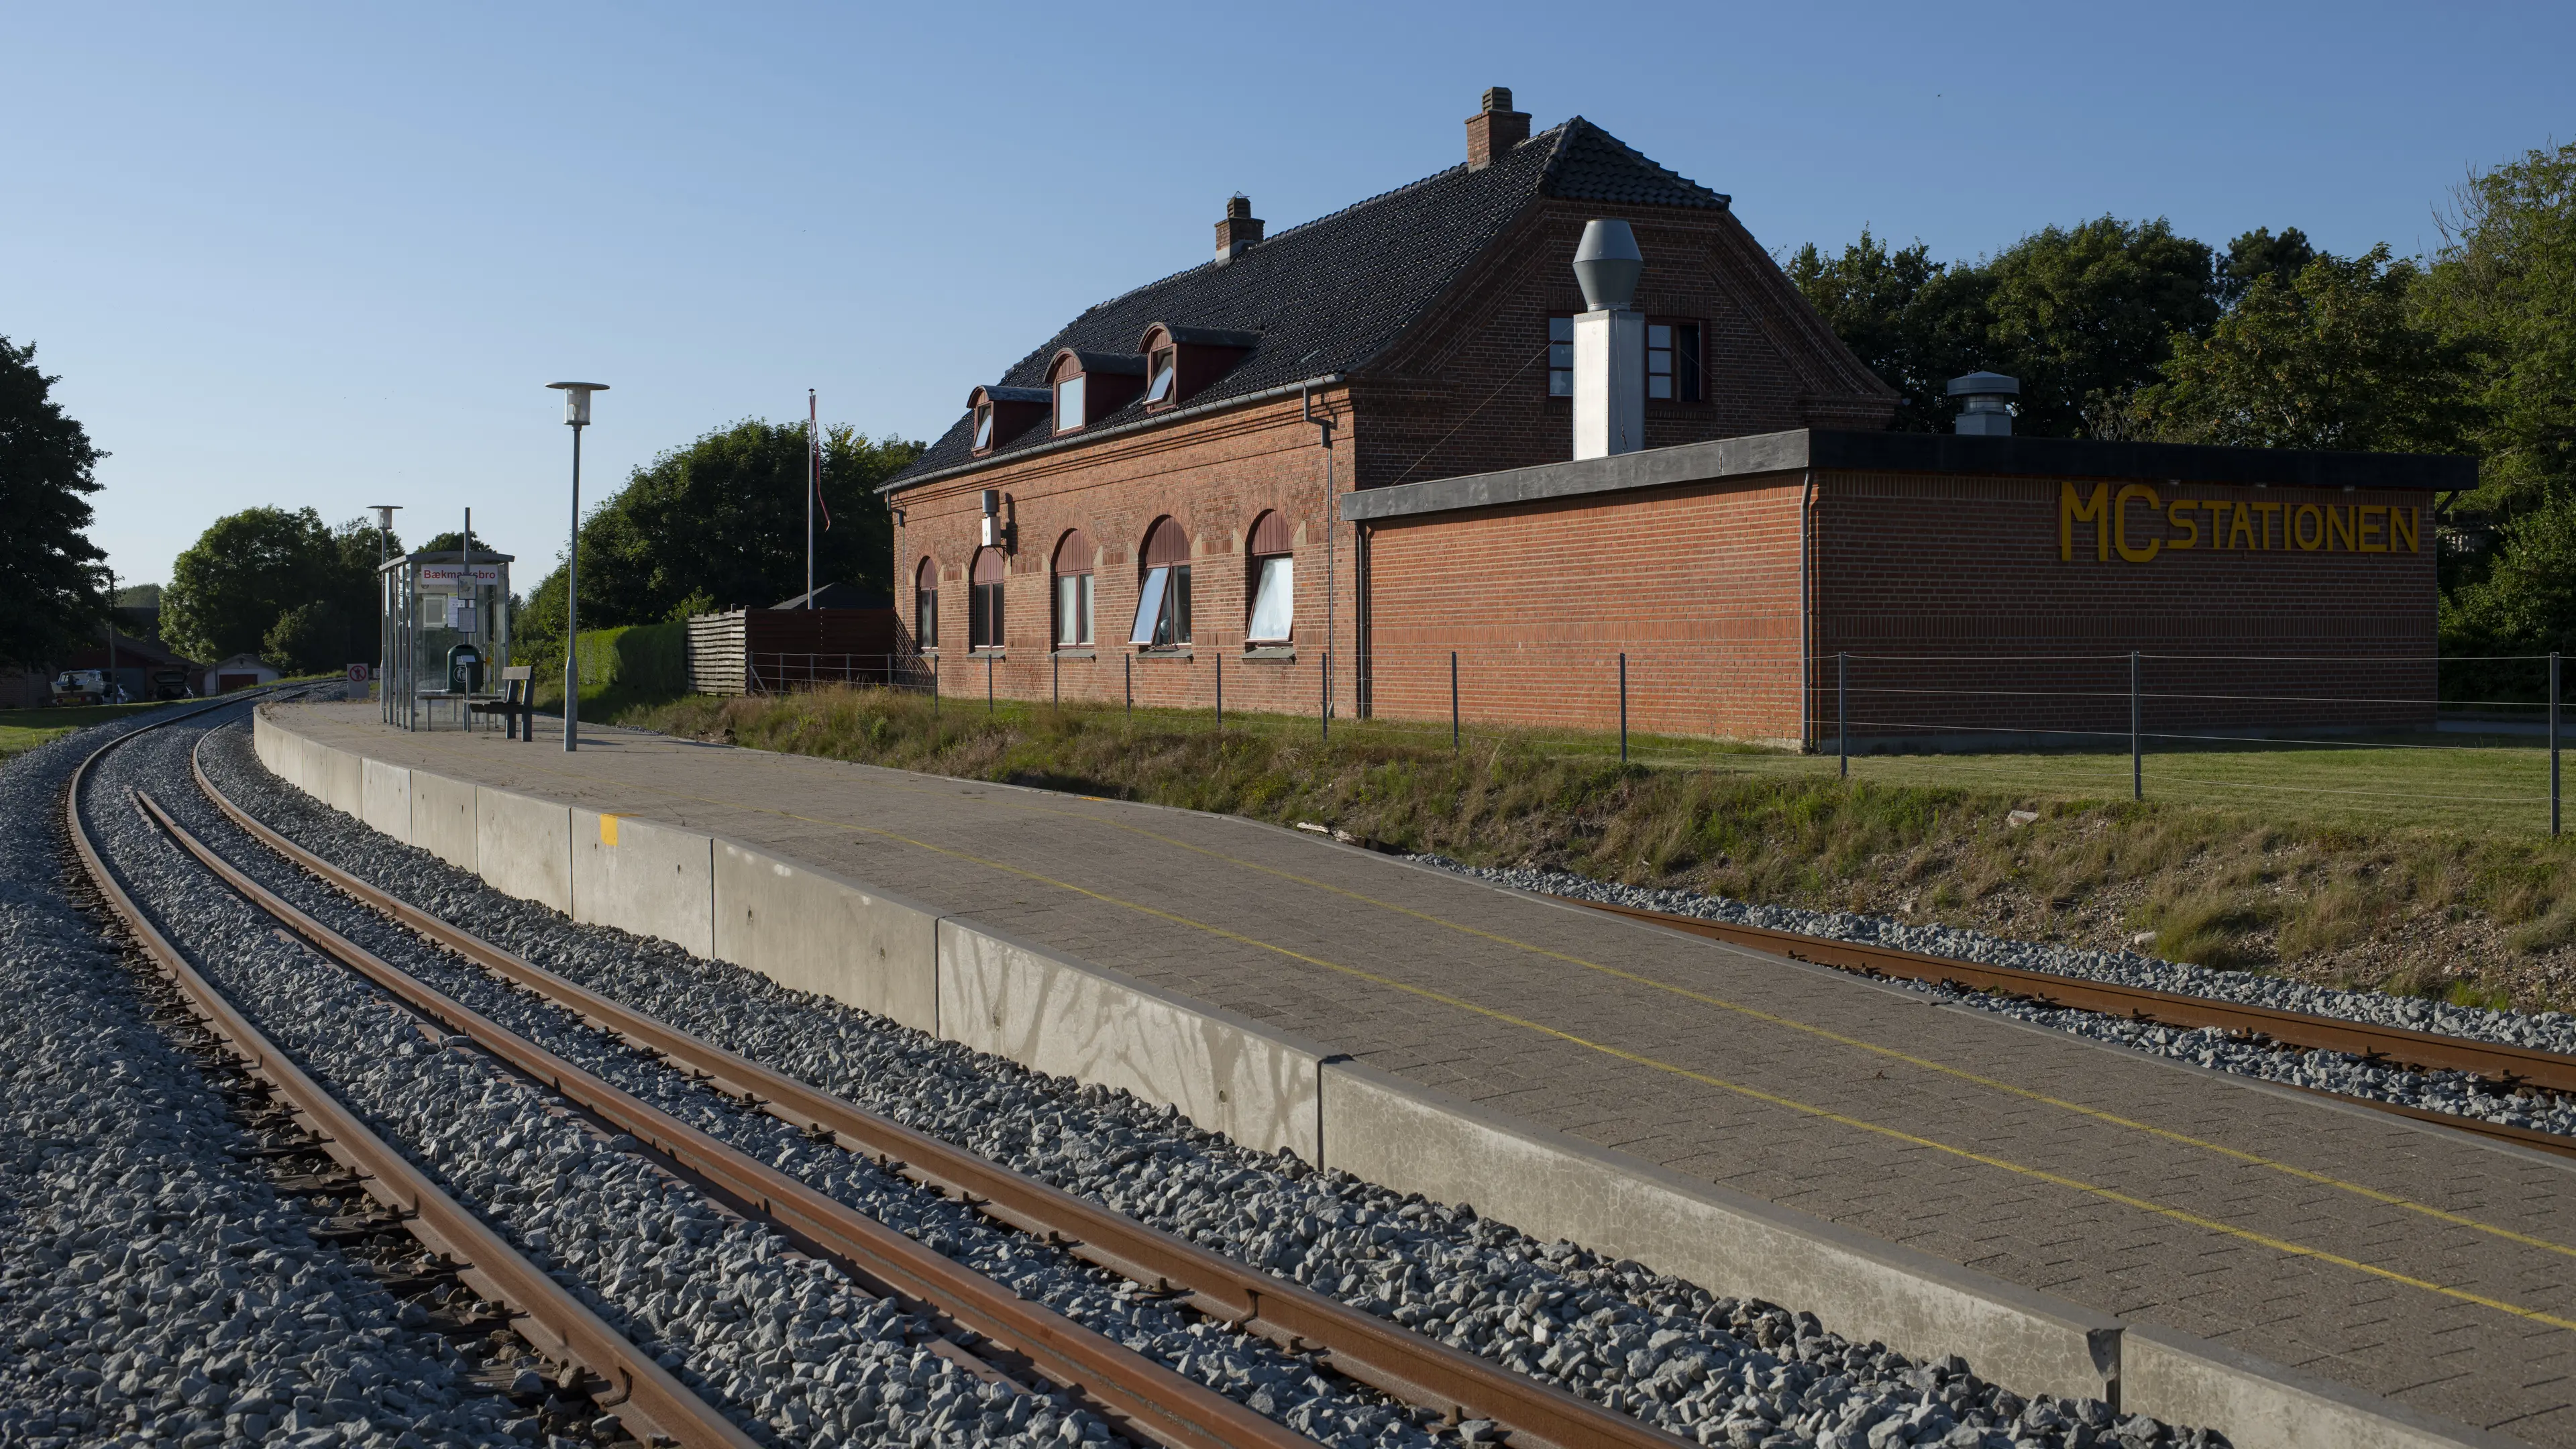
x=1073, y=610
x=1069, y=390
x=1274, y=598
x=983, y=426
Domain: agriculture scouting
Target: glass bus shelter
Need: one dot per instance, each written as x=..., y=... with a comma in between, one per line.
x=444, y=634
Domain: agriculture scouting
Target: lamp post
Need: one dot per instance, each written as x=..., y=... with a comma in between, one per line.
x=577, y=417
x=385, y=630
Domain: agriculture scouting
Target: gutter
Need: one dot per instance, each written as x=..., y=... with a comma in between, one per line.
x=1075, y=440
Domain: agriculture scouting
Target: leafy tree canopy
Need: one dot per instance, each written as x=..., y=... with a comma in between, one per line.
x=2328, y=356
x=55, y=595
x=2504, y=286
x=720, y=524
x=231, y=587
x=2082, y=315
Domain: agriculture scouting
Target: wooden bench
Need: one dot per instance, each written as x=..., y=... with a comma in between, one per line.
x=514, y=705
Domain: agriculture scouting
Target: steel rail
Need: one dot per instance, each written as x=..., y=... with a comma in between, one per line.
x=1141, y=1397
x=1358, y=1345
x=656, y=1406
x=2386, y=1046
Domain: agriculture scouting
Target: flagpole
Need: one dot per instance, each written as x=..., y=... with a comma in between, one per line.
x=813, y=486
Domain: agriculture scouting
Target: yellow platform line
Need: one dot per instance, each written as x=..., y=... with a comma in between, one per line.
x=2181, y=1215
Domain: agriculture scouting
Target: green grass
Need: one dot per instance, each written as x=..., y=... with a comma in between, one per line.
x=22, y=730
x=2414, y=870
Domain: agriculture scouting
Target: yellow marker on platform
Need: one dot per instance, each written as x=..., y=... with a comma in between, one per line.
x=608, y=830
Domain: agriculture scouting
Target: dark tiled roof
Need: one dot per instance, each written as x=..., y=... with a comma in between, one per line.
x=1327, y=296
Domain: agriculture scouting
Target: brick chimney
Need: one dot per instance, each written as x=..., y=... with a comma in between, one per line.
x=1495, y=130
x=1240, y=229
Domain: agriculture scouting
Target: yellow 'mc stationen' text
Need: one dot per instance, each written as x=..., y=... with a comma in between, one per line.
x=2138, y=525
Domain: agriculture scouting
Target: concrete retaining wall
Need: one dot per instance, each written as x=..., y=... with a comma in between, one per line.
x=384, y=796
x=443, y=818
x=815, y=931
x=646, y=878
x=1068, y=1018
x=523, y=847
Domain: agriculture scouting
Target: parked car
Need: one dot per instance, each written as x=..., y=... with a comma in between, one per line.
x=81, y=686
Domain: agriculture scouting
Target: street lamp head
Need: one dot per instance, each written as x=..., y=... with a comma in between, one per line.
x=577, y=400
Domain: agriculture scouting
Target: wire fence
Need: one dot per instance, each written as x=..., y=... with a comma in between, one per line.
x=2388, y=738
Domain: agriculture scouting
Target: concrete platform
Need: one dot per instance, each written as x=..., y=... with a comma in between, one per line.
x=2371, y=1253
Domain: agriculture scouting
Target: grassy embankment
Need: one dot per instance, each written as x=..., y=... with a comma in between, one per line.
x=2408, y=870
x=22, y=730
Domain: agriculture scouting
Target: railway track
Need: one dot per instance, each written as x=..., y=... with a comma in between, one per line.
x=1143, y=1399
x=2505, y=1067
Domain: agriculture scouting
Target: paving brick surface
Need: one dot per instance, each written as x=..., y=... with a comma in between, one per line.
x=1811, y=1088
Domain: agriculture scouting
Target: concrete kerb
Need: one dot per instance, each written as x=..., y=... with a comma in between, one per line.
x=384, y=793
x=444, y=818
x=814, y=931
x=344, y=782
x=1054, y=1014
x=1412, y=1138
x=523, y=847
x=2183, y=1379
x=650, y=879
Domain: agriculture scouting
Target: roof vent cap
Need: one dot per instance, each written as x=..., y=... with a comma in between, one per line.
x=1982, y=412
x=1607, y=265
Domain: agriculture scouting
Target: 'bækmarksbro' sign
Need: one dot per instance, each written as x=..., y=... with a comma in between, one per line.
x=2136, y=524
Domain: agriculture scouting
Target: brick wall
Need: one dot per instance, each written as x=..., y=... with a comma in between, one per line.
x=1926, y=580
x=1215, y=475
x=1698, y=586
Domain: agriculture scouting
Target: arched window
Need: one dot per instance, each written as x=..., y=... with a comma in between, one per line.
x=1272, y=580
x=1163, y=600
x=1073, y=593
x=984, y=600
x=925, y=605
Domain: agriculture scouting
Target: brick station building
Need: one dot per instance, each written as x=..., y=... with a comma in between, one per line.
x=1323, y=462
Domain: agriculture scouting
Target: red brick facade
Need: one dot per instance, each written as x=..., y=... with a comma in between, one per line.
x=1948, y=593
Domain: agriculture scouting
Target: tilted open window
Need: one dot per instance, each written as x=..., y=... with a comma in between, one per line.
x=1273, y=581
x=1163, y=597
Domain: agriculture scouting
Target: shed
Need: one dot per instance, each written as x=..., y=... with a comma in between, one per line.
x=241, y=671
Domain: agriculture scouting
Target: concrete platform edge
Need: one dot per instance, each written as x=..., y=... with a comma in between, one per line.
x=1543, y=1182
x=2181, y=1378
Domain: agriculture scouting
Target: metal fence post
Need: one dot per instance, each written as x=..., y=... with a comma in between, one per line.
x=2137, y=757
x=2553, y=743
x=1055, y=663
x=1842, y=711
x=1220, y=694
x=1623, y=707
x=988, y=684
x=1453, y=701
x=1324, y=711
x=1131, y=689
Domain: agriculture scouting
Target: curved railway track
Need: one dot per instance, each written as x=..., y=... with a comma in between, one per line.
x=2496, y=1064
x=1142, y=1398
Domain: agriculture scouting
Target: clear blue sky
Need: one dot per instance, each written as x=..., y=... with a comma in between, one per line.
x=329, y=255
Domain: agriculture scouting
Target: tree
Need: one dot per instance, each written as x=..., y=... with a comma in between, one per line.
x=1915, y=322
x=2083, y=316
x=311, y=638
x=2332, y=357
x=55, y=597
x=231, y=588
x=2503, y=285
x=720, y=523
x=2258, y=254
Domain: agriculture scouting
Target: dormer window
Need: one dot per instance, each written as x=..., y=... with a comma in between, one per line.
x=995, y=415
x=1090, y=386
x=1181, y=361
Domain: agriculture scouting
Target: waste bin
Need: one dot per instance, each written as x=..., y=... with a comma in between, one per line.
x=465, y=670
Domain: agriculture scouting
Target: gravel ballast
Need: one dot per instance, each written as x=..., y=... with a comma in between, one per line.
x=2457, y=1093
x=1708, y=1368
x=155, y=1286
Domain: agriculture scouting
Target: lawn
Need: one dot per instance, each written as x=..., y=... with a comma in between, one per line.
x=22, y=730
